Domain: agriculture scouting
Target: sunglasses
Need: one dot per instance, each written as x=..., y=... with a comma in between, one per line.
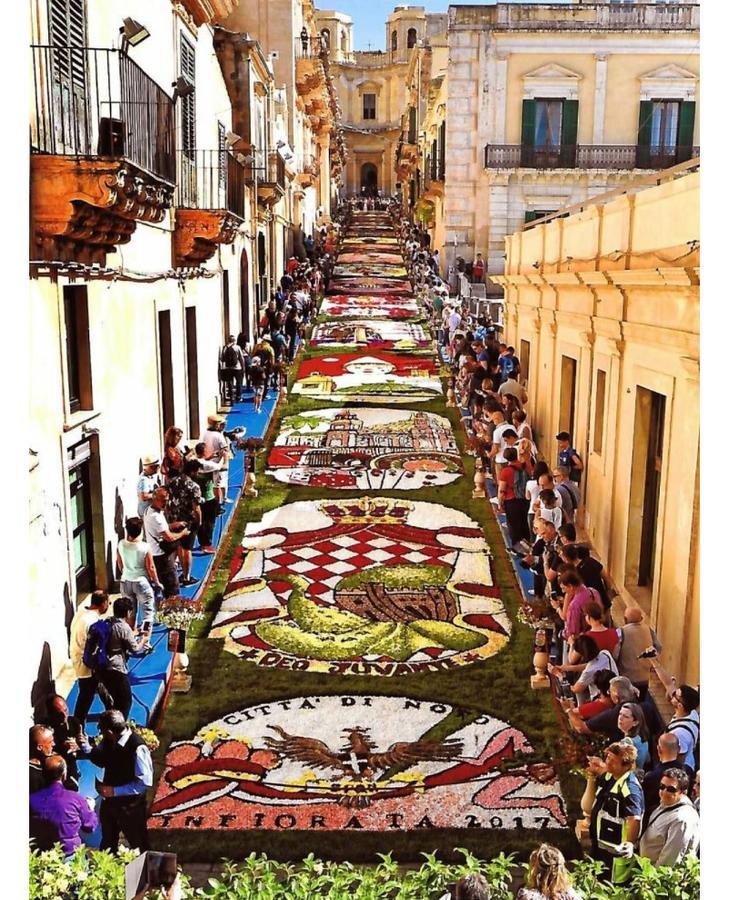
x=668, y=789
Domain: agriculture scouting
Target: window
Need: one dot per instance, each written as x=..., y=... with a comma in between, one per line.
x=532, y=214
x=664, y=124
x=78, y=350
x=568, y=388
x=81, y=511
x=548, y=123
x=187, y=104
x=393, y=41
x=165, y=369
x=193, y=398
x=412, y=37
x=524, y=350
x=599, y=426
x=665, y=132
x=549, y=133
x=369, y=106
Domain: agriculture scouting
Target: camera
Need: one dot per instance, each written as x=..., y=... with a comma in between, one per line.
x=648, y=653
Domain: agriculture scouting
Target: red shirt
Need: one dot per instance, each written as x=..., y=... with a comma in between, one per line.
x=605, y=640
x=588, y=710
x=507, y=476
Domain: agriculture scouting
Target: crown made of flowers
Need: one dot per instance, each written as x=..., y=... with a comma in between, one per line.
x=364, y=509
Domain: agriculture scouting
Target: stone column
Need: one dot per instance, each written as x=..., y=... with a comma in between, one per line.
x=325, y=178
x=502, y=65
x=598, y=128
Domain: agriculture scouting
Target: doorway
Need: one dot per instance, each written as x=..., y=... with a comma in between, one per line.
x=245, y=299
x=368, y=179
x=81, y=515
x=568, y=386
x=193, y=394
x=645, y=487
x=165, y=369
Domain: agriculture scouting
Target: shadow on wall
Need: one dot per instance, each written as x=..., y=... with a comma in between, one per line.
x=44, y=685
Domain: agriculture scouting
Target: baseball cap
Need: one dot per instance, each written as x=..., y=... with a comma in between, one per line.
x=563, y=436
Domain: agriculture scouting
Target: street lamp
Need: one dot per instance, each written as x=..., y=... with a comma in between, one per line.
x=132, y=33
x=183, y=87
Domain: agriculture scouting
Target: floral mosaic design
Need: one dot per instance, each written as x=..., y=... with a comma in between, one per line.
x=380, y=334
x=369, y=378
x=363, y=587
x=360, y=763
x=362, y=306
x=369, y=285
x=365, y=449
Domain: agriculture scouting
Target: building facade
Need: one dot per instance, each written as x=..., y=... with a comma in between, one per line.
x=603, y=308
x=547, y=106
x=164, y=199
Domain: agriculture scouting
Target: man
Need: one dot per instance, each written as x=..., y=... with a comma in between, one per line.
x=622, y=691
x=218, y=450
x=88, y=682
x=453, y=320
x=66, y=730
x=232, y=368
x=498, y=445
x=569, y=457
x=512, y=498
x=685, y=722
x=57, y=814
x=162, y=538
x=40, y=739
x=122, y=642
x=183, y=506
x=138, y=574
x=568, y=492
x=512, y=387
x=617, y=811
x=668, y=750
x=148, y=481
x=127, y=766
x=672, y=832
x=209, y=505
x=636, y=637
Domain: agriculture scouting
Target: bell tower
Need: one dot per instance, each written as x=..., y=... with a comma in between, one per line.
x=405, y=26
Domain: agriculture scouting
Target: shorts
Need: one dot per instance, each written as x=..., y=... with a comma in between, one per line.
x=220, y=478
x=258, y=392
x=188, y=542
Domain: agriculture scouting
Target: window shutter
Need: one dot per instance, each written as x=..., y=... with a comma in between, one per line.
x=569, y=132
x=187, y=104
x=530, y=215
x=67, y=28
x=528, y=124
x=686, y=117
x=644, y=134
x=442, y=147
x=222, y=158
x=412, y=126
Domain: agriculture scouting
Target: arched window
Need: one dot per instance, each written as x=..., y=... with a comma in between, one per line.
x=325, y=38
x=412, y=37
x=393, y=41
x=343, y=42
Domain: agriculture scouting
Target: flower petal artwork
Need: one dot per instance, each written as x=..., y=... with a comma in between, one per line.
x=369, y=257
x=365, y=449
x=363, y=587
x=369, y=285
x=369, y=377
x=383, y=334
x=370, y=270
x=363, y=306
x=358, y=763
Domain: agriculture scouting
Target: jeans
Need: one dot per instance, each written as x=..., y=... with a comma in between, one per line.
x=167, y=573
x=208, y=514
x=87, y=688
x=143, y=595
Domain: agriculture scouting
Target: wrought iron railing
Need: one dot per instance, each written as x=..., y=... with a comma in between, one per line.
x=274, y=170
x=92, y=102
x=210, y=179
x=585, y=156
x=310, y=47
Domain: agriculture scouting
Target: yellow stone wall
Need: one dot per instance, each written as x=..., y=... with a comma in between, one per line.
x=626, y=303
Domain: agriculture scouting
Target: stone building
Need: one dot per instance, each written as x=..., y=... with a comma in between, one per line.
x=372, y=87
x=543, y=106
x=163, y=194
x=603, y=309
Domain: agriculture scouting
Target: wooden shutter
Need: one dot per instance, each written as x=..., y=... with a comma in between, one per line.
x=645, y=118
x=569, y=132
x=412, y=126
x=222, y=160
x=67, y=28
x=530, y=215
x=187, y=104
x=442, y=148
x=528, y=126
x=685, y=142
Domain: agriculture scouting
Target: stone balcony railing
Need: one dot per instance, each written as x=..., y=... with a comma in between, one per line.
x=577, y=17
x=585, y=156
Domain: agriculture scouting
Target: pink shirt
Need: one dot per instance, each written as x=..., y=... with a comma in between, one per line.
x=575, y=623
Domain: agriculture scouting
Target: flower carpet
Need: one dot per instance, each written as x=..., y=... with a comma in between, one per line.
x=361, y=677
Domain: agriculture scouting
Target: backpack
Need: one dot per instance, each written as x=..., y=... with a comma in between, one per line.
x=692, y=729
x=230, y=357
x=520, y=482
x=96, y=649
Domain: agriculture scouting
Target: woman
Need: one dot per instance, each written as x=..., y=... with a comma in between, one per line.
x=173, y=459
x=577, y=716
x=532, y=489
x=591, y=661
x=605, y=638
x=631, y=723
x=547, y=878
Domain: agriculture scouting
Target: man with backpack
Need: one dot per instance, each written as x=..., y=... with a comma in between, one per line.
x=512, y=497
x=88, y=682
x=108, y=646
x=569, y=457
x=232, y=369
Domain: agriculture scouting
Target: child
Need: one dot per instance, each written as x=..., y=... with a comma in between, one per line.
x=257, y=378
x=549, y=510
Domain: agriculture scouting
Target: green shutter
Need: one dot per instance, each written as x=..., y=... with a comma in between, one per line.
x=686, y=117
x=529, y=216
x=569, y=132
x=528, y=125
x=645, y=118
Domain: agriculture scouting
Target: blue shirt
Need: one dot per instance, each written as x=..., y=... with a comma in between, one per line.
x=65, y=811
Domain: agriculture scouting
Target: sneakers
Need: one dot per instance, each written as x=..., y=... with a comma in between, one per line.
x=208, y=549
x=186, y=582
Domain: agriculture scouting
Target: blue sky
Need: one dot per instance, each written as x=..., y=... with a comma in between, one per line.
x=369, y=16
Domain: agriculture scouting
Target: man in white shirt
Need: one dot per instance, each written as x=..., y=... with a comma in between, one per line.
x=148, y=481
x=672, y=831
x=94, y=609
x=159, y=532
x=217, y=448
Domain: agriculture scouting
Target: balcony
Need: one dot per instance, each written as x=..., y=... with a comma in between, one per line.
x=311, y=48
x=578, y=17
x=209, y=204
x=272, y=179
x=309, y=171
x=584, y=156
x=103, y=152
